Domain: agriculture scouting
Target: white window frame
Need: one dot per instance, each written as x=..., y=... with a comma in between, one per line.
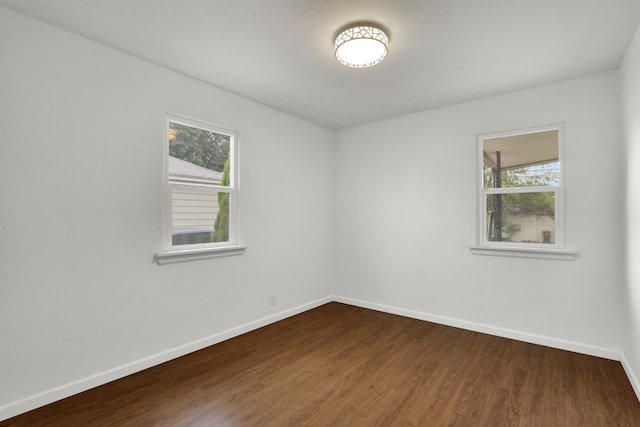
x=179, y=253
x=555, y=250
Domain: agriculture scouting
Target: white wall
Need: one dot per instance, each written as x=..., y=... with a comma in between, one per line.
x=631, y=98
x=407, y=208
x=80, y=217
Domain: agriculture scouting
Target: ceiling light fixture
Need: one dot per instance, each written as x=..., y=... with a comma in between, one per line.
x=361, y=45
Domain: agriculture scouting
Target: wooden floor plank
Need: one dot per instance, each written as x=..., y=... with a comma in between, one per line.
x=339, y=365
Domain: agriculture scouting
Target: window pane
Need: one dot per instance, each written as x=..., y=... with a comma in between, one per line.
x=526, y=160
x=198, y=155
x=199, y=217
x=532, y=176
x=521, y=217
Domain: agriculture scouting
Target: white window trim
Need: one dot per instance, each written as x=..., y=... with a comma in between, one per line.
x=556, y=250
x=173, y=254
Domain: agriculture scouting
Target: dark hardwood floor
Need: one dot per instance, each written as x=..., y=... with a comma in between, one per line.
x=339, y=365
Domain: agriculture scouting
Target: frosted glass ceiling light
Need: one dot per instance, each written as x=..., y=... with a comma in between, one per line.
x=361, y=45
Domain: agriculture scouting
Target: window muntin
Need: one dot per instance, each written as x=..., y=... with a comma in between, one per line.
x=521, y=189
x=200, y=185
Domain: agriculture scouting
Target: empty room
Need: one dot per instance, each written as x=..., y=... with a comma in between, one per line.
x=314, y=213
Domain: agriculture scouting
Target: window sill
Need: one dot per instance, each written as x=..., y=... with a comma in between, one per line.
x=170, y=257
x=536, y=253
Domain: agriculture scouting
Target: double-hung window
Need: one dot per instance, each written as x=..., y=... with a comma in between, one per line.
x=521, y=193
x=201, y=179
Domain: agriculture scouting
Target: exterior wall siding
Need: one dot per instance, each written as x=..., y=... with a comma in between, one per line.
x=194, y=210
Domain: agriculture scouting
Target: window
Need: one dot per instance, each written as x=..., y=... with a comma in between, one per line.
x=521, y=191
x=200, y=219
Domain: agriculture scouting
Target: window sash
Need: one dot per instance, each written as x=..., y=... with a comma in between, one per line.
x=209, y=190
x=557, y=224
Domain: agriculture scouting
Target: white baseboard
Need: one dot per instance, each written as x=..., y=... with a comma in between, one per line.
x=633, y=379
x=487, y=329
x=49, y=396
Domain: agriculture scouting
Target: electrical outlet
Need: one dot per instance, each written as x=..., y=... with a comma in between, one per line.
x=274, y=299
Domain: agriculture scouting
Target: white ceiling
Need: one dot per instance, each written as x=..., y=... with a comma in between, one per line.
x=280, y=52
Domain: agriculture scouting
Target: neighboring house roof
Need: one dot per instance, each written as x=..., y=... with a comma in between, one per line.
x=182, y=169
